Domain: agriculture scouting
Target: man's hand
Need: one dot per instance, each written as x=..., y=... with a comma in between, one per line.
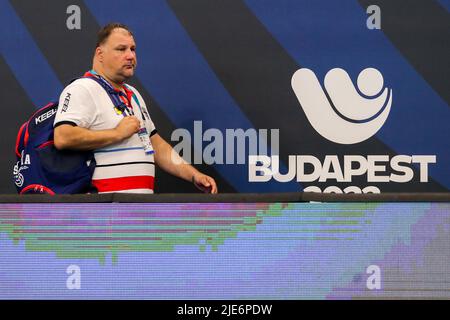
x=127, y=127
x=204, y=183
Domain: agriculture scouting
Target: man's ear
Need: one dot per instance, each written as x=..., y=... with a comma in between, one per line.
x=99, y=53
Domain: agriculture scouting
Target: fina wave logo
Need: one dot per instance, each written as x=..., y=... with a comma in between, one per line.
x=342, y=113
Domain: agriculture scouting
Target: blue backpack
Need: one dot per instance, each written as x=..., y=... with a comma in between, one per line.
x=41, y=168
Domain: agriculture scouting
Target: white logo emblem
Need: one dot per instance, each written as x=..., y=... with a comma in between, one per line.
x=342, y=113
x=18, y=177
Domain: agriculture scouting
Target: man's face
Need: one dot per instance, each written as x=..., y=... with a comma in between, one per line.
x=118, y=55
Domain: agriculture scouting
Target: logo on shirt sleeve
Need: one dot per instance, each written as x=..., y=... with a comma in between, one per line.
x=66, y=103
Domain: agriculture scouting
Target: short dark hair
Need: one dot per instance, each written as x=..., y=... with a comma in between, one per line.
x=105, y=32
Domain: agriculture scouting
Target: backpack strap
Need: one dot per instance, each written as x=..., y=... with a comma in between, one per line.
x=19, y=140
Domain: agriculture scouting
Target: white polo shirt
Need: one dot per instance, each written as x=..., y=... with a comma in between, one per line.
x=120, y=167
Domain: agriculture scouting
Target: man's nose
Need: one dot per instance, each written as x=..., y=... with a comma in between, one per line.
x=130, y=54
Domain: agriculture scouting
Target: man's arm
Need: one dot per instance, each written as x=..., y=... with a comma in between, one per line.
x=67, y=136
x=169, y=160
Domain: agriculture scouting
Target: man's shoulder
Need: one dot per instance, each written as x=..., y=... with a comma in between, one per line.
x=82, y=89
x=83, y=84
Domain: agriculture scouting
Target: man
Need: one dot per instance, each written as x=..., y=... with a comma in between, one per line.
x=125, y=142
